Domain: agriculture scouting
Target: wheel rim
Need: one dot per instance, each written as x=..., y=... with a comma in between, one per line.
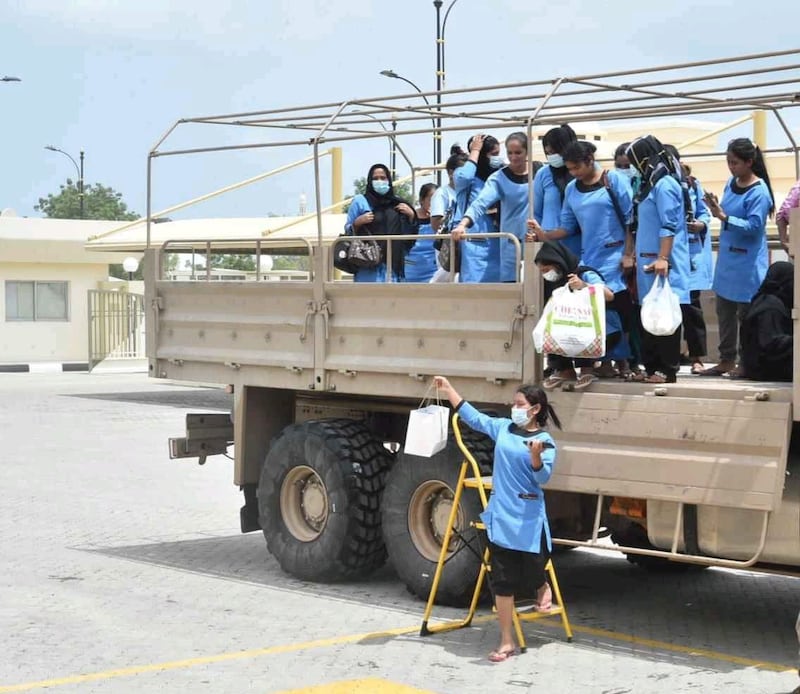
x=304, y=503
x=428, y=513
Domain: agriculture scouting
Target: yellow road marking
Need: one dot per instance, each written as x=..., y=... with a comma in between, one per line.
x=368, y=686
x=354, y=638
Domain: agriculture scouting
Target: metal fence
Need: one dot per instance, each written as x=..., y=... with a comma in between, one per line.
x=116, y=326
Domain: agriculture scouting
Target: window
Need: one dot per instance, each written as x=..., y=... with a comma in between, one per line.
x=37, y=301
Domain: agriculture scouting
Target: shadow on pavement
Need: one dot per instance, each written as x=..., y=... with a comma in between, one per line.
x=201, y=398
x=739, y=614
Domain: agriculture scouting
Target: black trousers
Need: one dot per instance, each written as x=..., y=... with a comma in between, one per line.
x=694, y=325
x=662, y=353
x=517, y=573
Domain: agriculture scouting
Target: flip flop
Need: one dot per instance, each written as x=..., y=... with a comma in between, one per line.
x=697, y=368
x=553, y=382
x=584, y=381
x=501, y=656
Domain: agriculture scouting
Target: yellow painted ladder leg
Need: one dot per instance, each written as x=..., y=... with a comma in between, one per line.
x=437, y=576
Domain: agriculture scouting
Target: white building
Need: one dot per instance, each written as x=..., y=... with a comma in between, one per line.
x=45, y=276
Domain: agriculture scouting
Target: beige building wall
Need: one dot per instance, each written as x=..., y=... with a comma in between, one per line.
x=57, y=341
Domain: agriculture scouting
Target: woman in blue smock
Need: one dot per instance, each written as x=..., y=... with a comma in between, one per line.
x=661, y=248
x=598, y=204
x=742, y=258
x=509, y=188
x=480, y=258
x=550, y=184
x=421, y=259
x=698, y=218
x=380, y=212
x=516, y=518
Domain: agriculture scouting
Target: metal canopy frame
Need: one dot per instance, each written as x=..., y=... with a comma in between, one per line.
x=764, y=81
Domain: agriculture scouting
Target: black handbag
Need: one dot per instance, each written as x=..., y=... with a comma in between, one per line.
x=364, y=252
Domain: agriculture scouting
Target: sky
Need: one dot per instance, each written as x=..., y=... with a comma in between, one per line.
x=111, y=76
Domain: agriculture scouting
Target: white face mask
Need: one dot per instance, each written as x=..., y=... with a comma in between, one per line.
x=552, y=275
x=496, y=161
x=519, y=415
x=555, y=160
x=630, y=172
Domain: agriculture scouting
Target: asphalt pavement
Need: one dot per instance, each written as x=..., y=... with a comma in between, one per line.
x=122, y=571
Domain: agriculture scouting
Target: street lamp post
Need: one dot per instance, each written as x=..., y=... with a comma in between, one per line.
x=436, y=151
x=79, y=169
x=441, y=27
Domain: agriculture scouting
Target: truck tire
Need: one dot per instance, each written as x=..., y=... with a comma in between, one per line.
x=416, y=508
x=319, y=500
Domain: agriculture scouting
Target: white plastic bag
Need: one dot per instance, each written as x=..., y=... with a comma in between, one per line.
x=426, y=434
x=573, y=324
x=661, y=309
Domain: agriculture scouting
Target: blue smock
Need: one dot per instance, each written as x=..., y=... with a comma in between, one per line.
x=742, y=258
x=480, y=258
x=662, y=214
x=700, y=258
x=547, y=203
x=360, y=206
x=512, y=522
x=589, y=208
x=421, y=259
x=442, y=198
x=511, y=191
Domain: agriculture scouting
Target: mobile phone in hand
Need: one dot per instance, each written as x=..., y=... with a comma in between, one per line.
x=545, y=444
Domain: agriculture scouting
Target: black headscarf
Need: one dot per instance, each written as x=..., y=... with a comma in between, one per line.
x=779, y=282
x=388, y=220
x=553, y=253
x=648, y=156
x=482, y=168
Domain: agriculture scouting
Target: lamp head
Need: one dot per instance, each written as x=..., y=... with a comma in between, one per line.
x=389, y=73
x=51, y=148
x=130, y=264
x=7, y=78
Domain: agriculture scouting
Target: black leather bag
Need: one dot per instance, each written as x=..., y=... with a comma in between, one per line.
x=364, y=252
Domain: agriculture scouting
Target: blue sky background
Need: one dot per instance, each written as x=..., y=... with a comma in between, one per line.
x=110, y=76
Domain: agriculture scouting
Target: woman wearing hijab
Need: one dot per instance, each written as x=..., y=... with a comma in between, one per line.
x=509, y=188
x=380, y=212
x=550, y=184
x=560, y=267
x=480, y=258
x=742, y=258
x=661, y=248
x=767, y=331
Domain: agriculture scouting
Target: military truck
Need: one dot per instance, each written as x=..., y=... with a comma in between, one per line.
x=324, y=371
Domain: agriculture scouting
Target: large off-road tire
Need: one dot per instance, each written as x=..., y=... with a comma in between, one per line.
x=416, y=508
x=319, y=500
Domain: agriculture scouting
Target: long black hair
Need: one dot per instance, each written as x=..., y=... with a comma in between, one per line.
x=458, y=157
x=557, y=139
x=537, y=396
x=744, y=149
x=579, y=152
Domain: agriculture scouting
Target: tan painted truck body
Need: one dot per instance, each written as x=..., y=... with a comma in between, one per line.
x=325, y=370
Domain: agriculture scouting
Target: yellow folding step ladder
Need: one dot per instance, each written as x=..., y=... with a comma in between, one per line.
x=482, y=485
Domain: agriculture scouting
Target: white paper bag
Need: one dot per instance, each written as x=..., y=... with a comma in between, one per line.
x=427, y=430
x=573, y=324
x=661, y=309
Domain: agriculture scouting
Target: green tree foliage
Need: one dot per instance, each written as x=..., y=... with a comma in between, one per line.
x=234, y=261
x=401, y=190
x=100, y=202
